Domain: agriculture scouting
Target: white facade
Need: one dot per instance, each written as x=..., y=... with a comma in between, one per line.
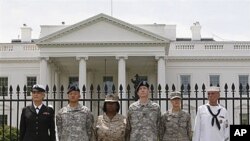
x=104, y=46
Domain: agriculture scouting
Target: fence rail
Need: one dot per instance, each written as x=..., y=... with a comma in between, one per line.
x=12, y=101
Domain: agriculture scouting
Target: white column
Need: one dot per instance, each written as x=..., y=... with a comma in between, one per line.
x=54, y=76
x=90, y=77
x=53, y=68
x=57, y=79
x=49, y=76
x=43, y=70
x=161, y=75
x=122, y=71
x=57, y=83
x=82, y=71
x=122, y=80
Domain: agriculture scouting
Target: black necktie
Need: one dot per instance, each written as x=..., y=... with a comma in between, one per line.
x=37, y=110
x=214, y=117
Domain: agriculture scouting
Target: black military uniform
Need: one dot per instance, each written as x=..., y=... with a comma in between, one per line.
x=37, y=126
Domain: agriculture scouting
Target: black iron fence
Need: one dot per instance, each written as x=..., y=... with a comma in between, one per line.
x=236, y=100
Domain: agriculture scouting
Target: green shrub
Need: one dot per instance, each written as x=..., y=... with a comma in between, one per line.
x=7, y=136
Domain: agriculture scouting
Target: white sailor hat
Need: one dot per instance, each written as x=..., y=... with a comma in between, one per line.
x=213, y=89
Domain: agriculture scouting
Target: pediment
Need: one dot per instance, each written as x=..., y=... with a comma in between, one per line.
x=101, y=29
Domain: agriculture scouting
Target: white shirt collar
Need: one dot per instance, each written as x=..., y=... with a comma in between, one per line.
x=38, y=106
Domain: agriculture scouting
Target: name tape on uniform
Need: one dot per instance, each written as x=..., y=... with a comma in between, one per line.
x=239, y=132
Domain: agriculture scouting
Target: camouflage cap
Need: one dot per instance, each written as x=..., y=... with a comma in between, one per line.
x=175, y=94
x=111, y=98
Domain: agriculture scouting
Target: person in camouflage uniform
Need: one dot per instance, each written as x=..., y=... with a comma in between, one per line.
x=75, y=121
x=176, y=123
x=110, y=126
x=143, y=117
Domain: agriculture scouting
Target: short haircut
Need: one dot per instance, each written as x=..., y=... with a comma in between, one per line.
x=104, y=108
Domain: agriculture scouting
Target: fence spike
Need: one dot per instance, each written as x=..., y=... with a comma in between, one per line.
x=152, y=88
x=18, y=88
x=173, y=87
x=166, y=87
x=159, y=87
x=11, y=89
x=91, y=87
x=54, y=88
x=233, y=87
x=113, y=88
x=84, y=88
x=240, y=87
x=188, y=87
x=203, y=87
x=196, y=87
x=128, y=87
x=24, y=88
x=120, y=87
x=182, y=87
x=62, y=88
x=47, y=88
x=98, y=88
x=106, y=88
x=226, y=87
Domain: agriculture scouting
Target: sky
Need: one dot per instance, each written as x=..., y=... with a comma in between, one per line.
x=223, y=20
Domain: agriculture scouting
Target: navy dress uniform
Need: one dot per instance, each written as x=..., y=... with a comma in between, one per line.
x=37, y=125
x=211, y=122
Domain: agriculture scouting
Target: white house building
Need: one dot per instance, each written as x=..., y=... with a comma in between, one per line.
x=105, y=49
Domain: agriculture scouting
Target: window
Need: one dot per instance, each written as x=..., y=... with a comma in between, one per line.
x=3, y=119
x=30, y=82
x=185, y=80
x=214, y=80
x=244, y=119
x=74, y=80
x=243, y=80
x=108, y=80
x=3, y=83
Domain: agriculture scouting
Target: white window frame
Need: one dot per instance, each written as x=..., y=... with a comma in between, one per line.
x=185, y=91
x=109, y=81
x=211, y=79
x=30, y=84
x=244, y=83
x=244, y=119
x=76, y=81
x=5, y=119
x=6, y=86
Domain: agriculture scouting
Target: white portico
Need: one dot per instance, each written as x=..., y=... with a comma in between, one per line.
x=81, y=49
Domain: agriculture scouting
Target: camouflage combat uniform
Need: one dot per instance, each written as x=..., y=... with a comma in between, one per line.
x=176, y=126
x=74, y=124
x=110, y=130
x=143, y=122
